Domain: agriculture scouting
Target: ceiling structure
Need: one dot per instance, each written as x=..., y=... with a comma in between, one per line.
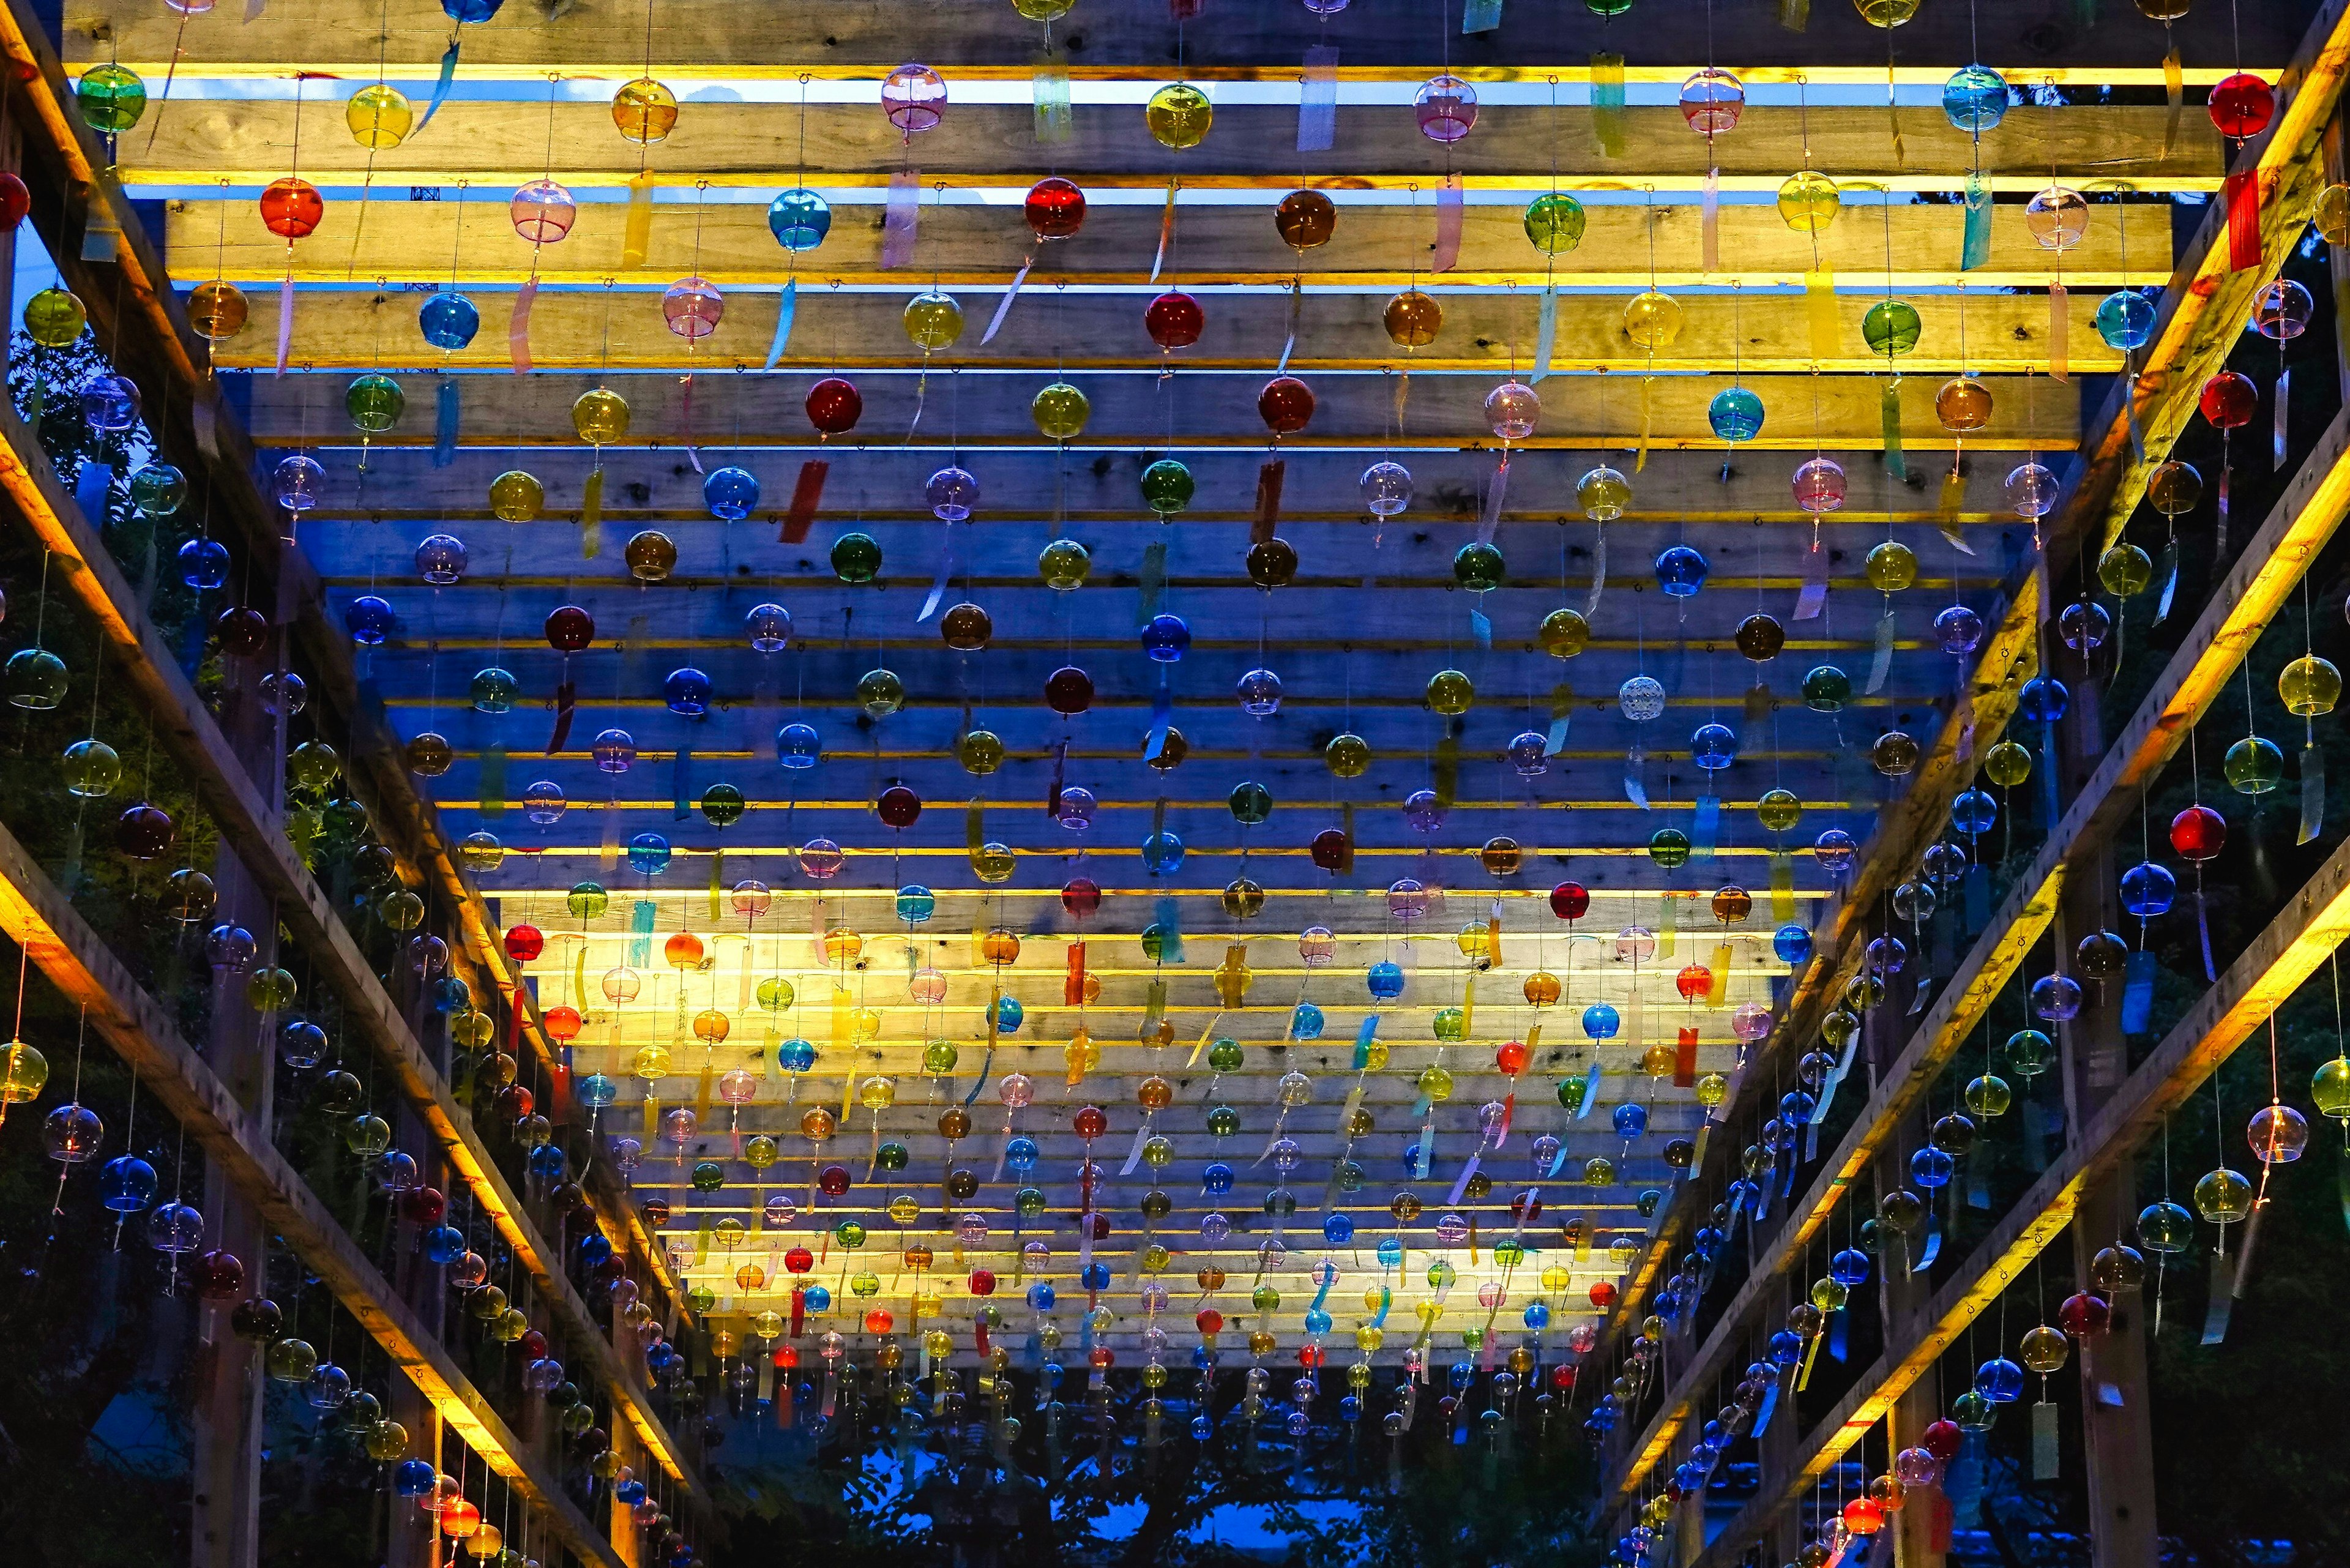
x=1376, y=610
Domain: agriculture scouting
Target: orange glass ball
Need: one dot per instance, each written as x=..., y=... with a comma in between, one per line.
x=1413, y=319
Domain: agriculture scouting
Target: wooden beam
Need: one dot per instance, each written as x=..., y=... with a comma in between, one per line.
x=1484, y=334
x=2268, y=971
x=256, y=835
x=965, y=245
x=1212, y=409
x=36, y=916
x=1379, y=40
x=250, y=141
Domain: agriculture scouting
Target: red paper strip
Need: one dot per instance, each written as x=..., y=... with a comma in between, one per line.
x=1268, y=500
x=806, y=496
x=1685, y=1061
x=1072, y=989
x=567, y=700
x=2243, y=192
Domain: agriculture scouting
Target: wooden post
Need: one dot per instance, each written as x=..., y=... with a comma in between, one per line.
x=1903, y=1297
x=1776, y=1456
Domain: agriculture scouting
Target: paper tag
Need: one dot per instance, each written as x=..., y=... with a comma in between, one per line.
x=1048, y=97
x=1974, y=246
x=1450, y=212
x=1880, y=663
x=1705, y=832
x=2044, y=1446
x=900, y=216
x=1813, y=596
x=2222, y=1298
x=1607, y=103
x=2060, y=333
x=1545, y=334
x=2313, y=792
x=1317, y=99
x=2137, y=992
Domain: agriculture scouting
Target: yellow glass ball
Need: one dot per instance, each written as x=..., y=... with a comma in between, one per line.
x=2310, y=686
x=1349, y=755
x=645, y=111
x=650, y=1063
x=1603, y=493
x=933, y=320
x=2331, y=216
x=600, y=416
x=380, y=116
x=1064, y=564
x=516, y=498
x=1450, y=693
x=2007, y=764
x=23, y=1076
x=1179, y=115
x=1890, y=568
x=54, y=318
x=1779, y=809
x=1809, y=201
x=992, y=863
x=1564, y=633
x=1886, y=13
x=2329, y=1088
x=1413, y=319
x=1651, y=319
x=877, y=1094
x=1712, y=1090
x=981, y=752
x=1659, y=1060
x=2125, y=571
x=1963, y=404
x=1060, y=411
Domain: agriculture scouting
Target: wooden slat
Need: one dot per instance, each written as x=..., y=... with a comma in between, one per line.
x=1212, y=409
x=1486, y=334
x=40, y=919
x=1378, y=40
x=258, y=837
x=968, y=246
x=249, y=142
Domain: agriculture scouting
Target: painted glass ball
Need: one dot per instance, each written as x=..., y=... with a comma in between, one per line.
x=1975, y=98
x=913, y=99
x=1555, y=223
x=1819, y=484
x=1735, y=414
x=447, y=320
x=799, y=219
x=1445, y=107
x=1808, y=202
x=1891, y=327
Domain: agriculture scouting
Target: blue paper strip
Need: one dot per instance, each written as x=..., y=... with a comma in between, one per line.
x=640, y=928
x=1977, y=897
x=1839, y=1334
x=1481, y=15
x=1363, y=1038
x=446, y=415
x=1770, y=1407
x=1706, y=831
x=1168, y=916
x=1590, y=1091
x=680, y=781
x=441, y=87
x=2137, y=992
x=787, y=305
x=90, y=487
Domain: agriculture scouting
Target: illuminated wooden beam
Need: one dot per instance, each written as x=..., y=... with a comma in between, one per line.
x=36, y=916
x=249, y=142
x=256, y=835
x=2270, y=971
x=466, y=232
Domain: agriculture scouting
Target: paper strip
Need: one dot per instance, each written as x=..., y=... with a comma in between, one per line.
x=1003, y=306
x=441, y=85
x=947, y=552
x=2243, y=198
x=1880, y=663
x=2222, y=1298
x=2060, y=335
x=1153, y=581
x=1819, y=310
x=491, y=800
x=1480, y=16
x=2313, y=792
x=900, y=216
x=808, y=494
x=2174, y=92
x=518, y=327
x=637, y=234
x=1974, y=246
x=1607, y=103
x=1490, y=519
x=1888, y=415
x=2282, y=396
x=447, y=415
x=1317, y=99
x=567, y=700
x=1048, y=96
x=1813, y=596
x=1450, y=211
x=1709, y=224
x=787, y=305
x=1545, y=334
x=285, y=314
x=1795, y=16
x=1705, y=831
x=1269, y=476
x=1166, y=231
x=591, y=514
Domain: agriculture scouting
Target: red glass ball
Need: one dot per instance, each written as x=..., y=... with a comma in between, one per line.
x=1090, y=1122
x=1562, y=1376
x=422, y=1206
x=1174, y=320
x=243, y=631
x=1329, y=849
x=656, y=1211
x=1693, y=982
x=220, y=1276
x=898, y=807
x=787, y=1357
x=1210, y=1320
x=15, y=201
x=1525, y=1210
x=525, y=943
x=1287, y=405
x=1069, y=691
x=570, y=629
x=833, y=1180
x=1603, y=1293
x=1056, y=208
x=799, y=1260
x=1570, y=900
x=143, y=832
x=982, y=1283
x=561, y=1023
x=1510, y=1058
x=515, y=1101
x=1310, y=1357
x=2199, y=832
x=533, y=1344
x=1080, y=896
x=2230, y=401
x=2241, y=104
x=292, y=207
x=1942, y=1439
x=834, y=406
x=2084, y=1316
x=1863, y=1517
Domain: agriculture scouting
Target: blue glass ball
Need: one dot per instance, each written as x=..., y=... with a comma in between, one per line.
x=548, y=1162
x=1958, y=629
x=1973, y=812
x=1931, y=1167
x=2055, y=998
x=1306, y=1021
x=444, y=1244
x=915, y=903
x=597, y=1091
x=2147, y=890
x=648, y=854
x=127, y=1184
x=2044, y=700
x=2126, y=319
x=1680, y=571
x=1390, y=1252
x=1600, y=1020
x=632, y=1491
x=1787, y=1347
x=1386, y=980
x=1217, y=1180
x=1166, y=638
x=1975, y=99
x=1536, y=1316
x=687, y=692
x=1792, y=942
x=447, y=320
x=1041, y=1297
x=729, y=492
x=414, y=1477
x=1337, y=1230
x=109, y=402
x=1202, y=1428
x=796, y=1055
x=451, y=993
x=1714, y=747
x=1631, y=1119
x=1849, y=1267
x=1162, y=853
x=797, y=747
x=1008, y=1014
x=463, y=11
x=1999, y=1380
x=1094, y=1276
x=1020, y=1155
x=799, y=219
x=204, y=563
x=594, y=1248
x=370, y=621
x=1735, y=413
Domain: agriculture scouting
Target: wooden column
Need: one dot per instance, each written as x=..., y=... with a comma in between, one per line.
x=1903, y=1297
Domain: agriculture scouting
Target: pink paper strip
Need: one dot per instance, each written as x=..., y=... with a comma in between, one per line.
x=285, y=320
x=1449, y=213
x=518, y=327
x=904, y=209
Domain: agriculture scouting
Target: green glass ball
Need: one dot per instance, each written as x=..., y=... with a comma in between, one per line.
x=856, y=558
x=1891, y=327
x=1478, y=567
x=112, y=99
x=374, y=402
x=1167, y=487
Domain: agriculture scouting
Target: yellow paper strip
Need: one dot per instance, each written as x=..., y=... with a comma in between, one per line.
x=2060, y=318
x=1819, y=310
x=591, y=514
x=636, y=239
